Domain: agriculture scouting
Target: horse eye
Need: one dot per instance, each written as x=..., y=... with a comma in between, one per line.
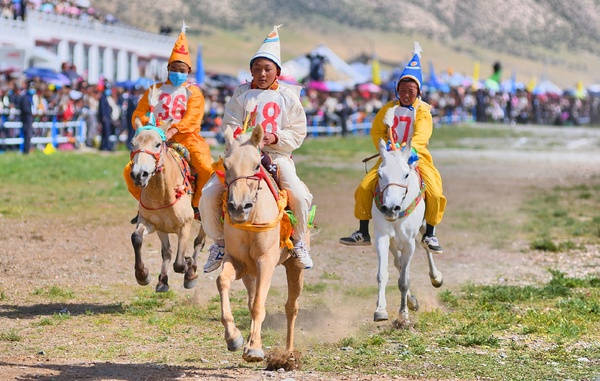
x=257, y=168
x=406, y=176
x=158, y=145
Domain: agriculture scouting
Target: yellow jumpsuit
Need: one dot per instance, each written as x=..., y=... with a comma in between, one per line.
x=435, y=202
x=185, y=105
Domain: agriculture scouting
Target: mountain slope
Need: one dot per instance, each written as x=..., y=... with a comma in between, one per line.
x=552, y=38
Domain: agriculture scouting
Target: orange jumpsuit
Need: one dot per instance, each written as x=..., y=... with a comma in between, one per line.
x=435, y=201
x=185, y=106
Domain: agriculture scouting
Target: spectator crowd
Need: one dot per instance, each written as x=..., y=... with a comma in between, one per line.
x=106, y=108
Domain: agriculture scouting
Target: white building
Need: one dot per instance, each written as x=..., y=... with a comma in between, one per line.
x=115, y=53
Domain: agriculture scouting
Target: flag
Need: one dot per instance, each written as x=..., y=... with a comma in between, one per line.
x=476, y=75
x=580, y=92
x=375, y=71
x=531, y=85
x=199, y=67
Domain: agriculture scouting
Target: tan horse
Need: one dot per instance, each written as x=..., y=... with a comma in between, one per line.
x=249, y=254
x=165, y=206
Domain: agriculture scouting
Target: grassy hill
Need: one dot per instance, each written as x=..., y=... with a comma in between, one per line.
x=555, y=39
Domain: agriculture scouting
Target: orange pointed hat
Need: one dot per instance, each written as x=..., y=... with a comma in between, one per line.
x=180, y=50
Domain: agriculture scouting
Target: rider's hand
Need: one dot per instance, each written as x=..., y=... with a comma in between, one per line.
x=268, y=139
x=171, y=132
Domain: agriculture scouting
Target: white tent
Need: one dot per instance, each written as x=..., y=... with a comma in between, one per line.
x=299, y=68
x=547, y=87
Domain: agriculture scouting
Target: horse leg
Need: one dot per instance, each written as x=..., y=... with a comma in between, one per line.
x=253, y=350
x=180, y=264
x=403, y=320
x=382, y=244
x=191, y=275
x=434, y=274
x=165, y=251
x=142, y=275
x=233, y=336
x=295, y=282
x=250, y=283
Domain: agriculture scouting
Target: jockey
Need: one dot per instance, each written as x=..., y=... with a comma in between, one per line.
x=279, y=111
x=415, y=120
x=183, y=103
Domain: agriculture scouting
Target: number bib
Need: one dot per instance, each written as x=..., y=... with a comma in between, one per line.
x=404, y=126
x=269, y=112
x=172, y=103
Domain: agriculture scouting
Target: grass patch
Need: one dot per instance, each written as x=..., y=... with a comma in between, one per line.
x=564, y=218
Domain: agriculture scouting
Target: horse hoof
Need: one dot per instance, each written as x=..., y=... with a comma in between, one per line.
x=253, y=355
x=187, y=284
x=144, y=282
x=380, y=316
x=402, y=324
x=437, y=283
x=162, y=287
x=413, y=303
x=235, y=344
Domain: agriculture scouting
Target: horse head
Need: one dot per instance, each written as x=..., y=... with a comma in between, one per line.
x=242, y=172
x=394, y=178
x=149, y=143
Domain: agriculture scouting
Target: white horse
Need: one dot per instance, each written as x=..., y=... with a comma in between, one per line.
x=398, y=215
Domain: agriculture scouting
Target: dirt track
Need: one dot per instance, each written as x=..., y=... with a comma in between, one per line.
x=492, y=180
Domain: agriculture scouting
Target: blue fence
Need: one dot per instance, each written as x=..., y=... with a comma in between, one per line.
x=53, y=132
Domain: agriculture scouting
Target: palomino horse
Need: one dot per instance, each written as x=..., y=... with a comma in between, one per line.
x=165, y=205
x=398, y=212
x=252, y=249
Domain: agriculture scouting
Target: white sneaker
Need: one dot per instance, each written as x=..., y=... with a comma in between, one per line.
x=215, y=258
x=300, y=252
x=431, y=243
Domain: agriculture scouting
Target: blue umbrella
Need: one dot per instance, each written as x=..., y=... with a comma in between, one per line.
x=47, y=75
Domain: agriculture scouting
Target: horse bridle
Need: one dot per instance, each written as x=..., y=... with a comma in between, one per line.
x=158, y=158
x=258, y=176
x=397, y=185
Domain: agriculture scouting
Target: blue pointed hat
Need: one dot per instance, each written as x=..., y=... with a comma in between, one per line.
x=413, y=69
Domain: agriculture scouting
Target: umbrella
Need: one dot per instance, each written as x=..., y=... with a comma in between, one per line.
x=143, y=82
x=47, y=75
x=369, y=88
x=318, y=85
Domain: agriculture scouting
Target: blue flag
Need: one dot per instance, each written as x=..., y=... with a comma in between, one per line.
x=199, y=67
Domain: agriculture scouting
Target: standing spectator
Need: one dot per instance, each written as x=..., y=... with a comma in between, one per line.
x=130, y=104
x=24, y=103
x=105, y=119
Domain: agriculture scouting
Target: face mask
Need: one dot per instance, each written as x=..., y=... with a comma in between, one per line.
x=108, y=93
x=176, y=78
x=31, y=91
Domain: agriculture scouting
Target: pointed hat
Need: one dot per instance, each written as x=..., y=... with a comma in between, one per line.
x=270, y=48
x=413, y=69
x=180, y=50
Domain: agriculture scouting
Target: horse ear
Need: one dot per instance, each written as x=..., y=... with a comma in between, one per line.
x=228, y=136
x=382, y=147
x=166, y=125
x=257, y=135
x=138, y=123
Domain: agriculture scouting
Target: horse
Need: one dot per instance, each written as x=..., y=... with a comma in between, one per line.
x=398, y=216
x=252, y=250
x=164, y=207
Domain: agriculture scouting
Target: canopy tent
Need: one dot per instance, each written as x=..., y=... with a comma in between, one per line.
x=546, y=87
x=342, y=73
